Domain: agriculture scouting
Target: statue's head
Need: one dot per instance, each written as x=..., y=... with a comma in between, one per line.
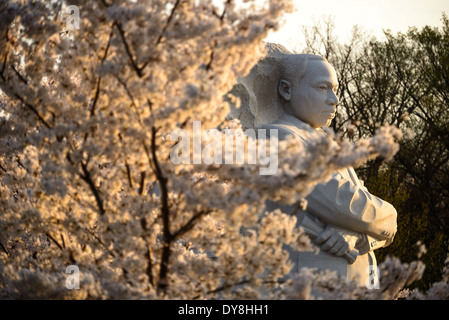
x=302, y=85
x=307, y=87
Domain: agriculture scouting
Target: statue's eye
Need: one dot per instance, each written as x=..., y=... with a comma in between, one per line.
x=324, y=87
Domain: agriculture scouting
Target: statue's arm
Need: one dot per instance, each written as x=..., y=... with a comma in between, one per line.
x=343, y=204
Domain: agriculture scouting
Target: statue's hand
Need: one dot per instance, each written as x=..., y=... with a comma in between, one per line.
x=330, y=240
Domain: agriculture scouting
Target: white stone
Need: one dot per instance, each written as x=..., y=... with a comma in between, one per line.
x=295, y=93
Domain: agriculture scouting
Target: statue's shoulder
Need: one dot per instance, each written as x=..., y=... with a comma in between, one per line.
x=288, y=125
x=283, y=130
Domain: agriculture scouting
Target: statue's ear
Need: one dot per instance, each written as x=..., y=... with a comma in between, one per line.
x=285, y=90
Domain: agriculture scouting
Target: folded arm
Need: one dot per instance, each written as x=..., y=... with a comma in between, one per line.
x=343, y=204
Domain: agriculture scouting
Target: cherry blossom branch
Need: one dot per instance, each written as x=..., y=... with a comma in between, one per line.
x=54, y=240
x=161, y=35
x=4, y=249
x=98, y=86
x=86, y=176
x=119, y=27
x=19, y=75
x=142, y=182
x=148, y=255
x=165, y=212
x=191, y=223
x=149, y=270
x=168, y=237
x=34, y=110
x=29, y=106
x=3, y=67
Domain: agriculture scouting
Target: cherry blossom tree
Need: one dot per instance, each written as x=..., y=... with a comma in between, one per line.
x=88, y=107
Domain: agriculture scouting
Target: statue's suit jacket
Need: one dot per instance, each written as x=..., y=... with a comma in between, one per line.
x=366, y=221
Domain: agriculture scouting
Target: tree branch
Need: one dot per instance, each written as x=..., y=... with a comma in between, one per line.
x=33, y=109
x=3, y=67
x=168, y=237
x=149, y=270
x=224, y=287
x=128, y=49
x=98, y=86
x=54, y=240
x=19, y=75
x=142, y=183
x=88, y=179
x=165, y=213
x=128, y=170
x=191, y=223
x=161, y=35
x=4, y=248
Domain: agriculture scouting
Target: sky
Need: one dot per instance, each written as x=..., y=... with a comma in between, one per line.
x=372, y=15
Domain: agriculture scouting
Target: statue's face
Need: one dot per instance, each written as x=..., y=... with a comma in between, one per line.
x=313, y=99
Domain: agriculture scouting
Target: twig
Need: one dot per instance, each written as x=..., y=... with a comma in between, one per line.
x=63, y=241
x=142, y=182
x=128, y=174
x=54, y=240
x=190, y=224
x=19, y=75
x=21, y=164
x=97, y=92
x=88, y=179
x=214, y=45
x=4, y=249
x=3, y=67
x=98, y=86
x=161, y=35
x=33, y=109
x=211, y=57
x=149, y=270
x=128, y=49
x=131, y=98
x=128, y=170
x=113, y=255
x=224, y=287
x=170, y=17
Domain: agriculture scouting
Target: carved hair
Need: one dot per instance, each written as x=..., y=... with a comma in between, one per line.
x=294, y=66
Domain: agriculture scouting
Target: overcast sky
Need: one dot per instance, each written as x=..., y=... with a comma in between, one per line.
x=372, y=15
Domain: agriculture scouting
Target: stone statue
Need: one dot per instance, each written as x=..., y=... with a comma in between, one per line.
x=295, y=93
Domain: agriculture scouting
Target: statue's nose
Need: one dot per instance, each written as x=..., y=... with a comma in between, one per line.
x=332, y=99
